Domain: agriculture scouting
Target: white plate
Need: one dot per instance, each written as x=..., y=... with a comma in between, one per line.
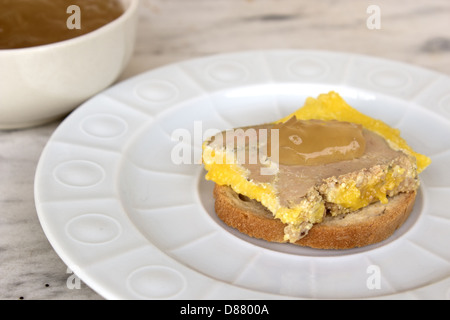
x=131, y=223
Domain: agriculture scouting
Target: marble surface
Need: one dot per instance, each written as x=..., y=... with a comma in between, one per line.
x=169, y=31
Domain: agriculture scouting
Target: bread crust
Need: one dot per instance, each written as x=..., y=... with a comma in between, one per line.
x=366, y=226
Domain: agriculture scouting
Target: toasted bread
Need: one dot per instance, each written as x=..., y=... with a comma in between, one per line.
x=363, y=227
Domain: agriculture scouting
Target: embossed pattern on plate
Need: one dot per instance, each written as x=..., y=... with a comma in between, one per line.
x=132, y=223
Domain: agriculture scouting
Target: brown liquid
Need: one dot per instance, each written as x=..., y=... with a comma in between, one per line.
x=316, y=142
x=29, y=23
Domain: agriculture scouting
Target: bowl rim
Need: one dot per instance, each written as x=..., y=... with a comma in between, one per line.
x=130, y=8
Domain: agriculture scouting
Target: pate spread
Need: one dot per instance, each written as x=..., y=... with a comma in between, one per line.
x=316, y=142
x=300, y=169
x=293, y=181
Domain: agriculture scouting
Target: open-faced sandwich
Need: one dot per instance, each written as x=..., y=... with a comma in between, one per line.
x=326, y=176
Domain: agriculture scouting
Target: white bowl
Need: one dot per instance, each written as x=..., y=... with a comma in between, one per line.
x=39, y=84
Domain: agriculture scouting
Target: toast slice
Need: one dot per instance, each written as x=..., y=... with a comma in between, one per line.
x=341, y=204
x=300, y=195
x=363, y=227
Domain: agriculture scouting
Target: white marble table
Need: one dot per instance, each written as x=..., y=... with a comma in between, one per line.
x=415, y=32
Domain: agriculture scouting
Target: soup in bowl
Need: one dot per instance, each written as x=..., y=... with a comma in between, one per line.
x=55, y=54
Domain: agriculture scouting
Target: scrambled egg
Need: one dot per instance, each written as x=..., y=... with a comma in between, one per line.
x=331, y=106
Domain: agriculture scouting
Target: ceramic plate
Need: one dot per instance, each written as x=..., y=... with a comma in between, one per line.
x=121, y=195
